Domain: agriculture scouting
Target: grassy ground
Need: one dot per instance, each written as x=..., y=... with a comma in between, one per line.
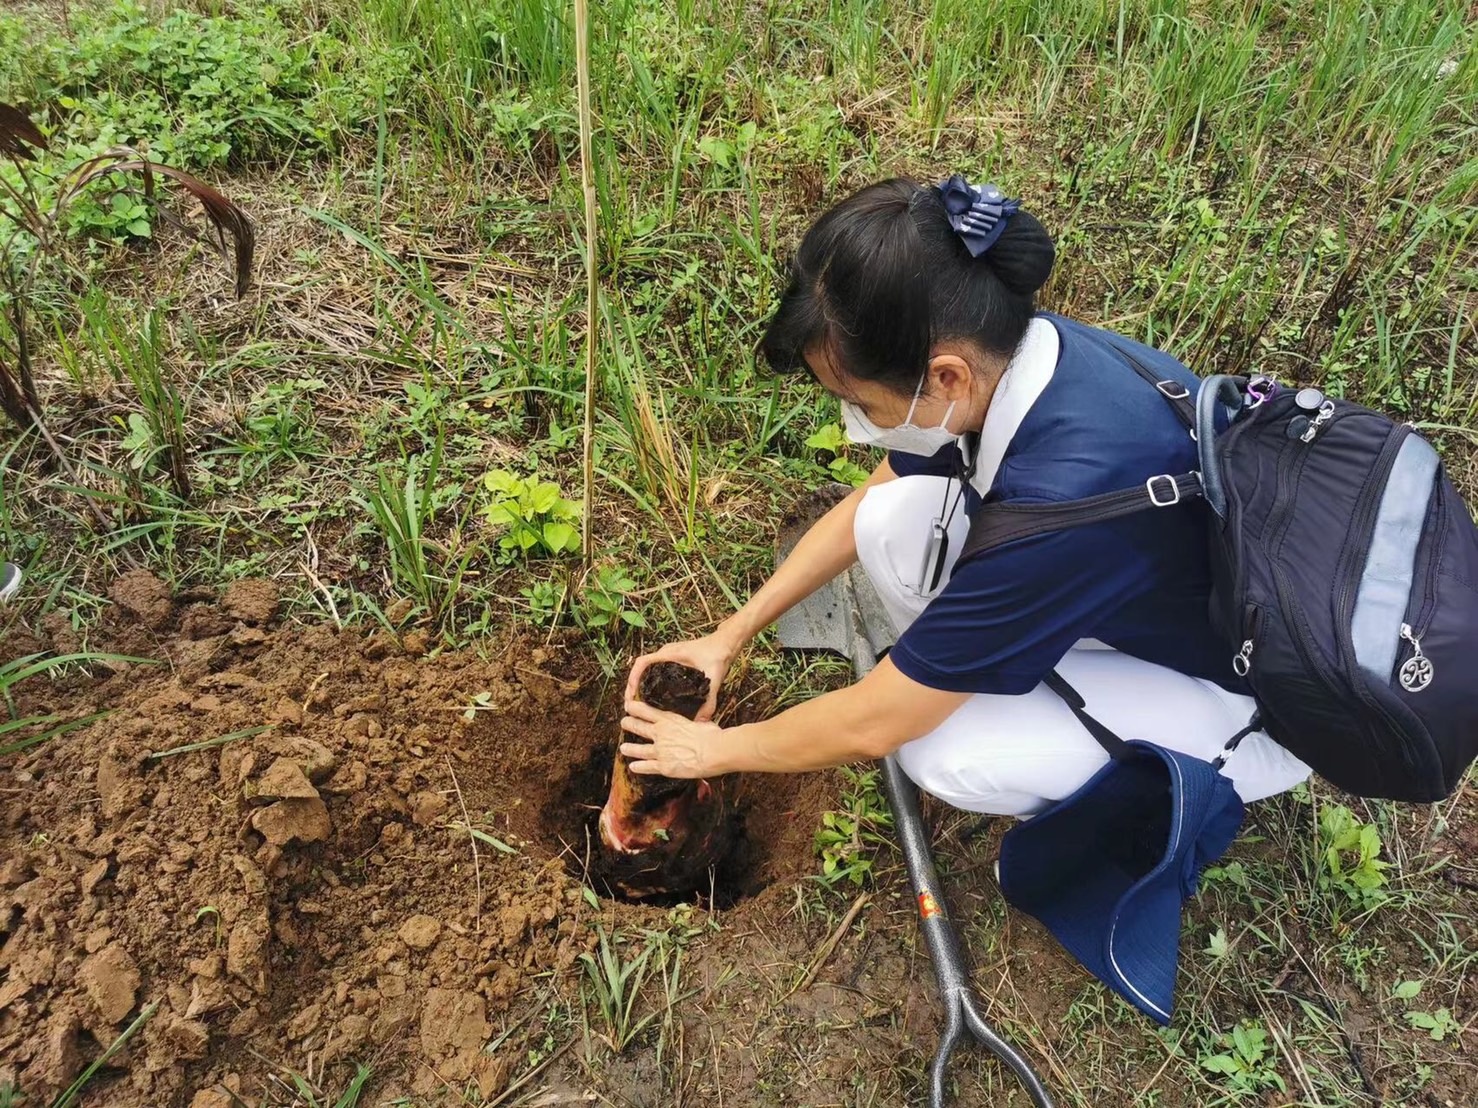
x=1279, y=187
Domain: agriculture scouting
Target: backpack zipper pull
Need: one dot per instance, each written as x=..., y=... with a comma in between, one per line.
x=1326, y=413
x=1242, y=662
x=1416, y=672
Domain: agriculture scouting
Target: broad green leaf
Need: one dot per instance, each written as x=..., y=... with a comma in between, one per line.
x=1407, y=989
x=543, y=497
x=560, y=537
x=501, y=481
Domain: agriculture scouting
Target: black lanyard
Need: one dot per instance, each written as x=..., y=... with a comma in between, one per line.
x=964, y=474
x=936, y=549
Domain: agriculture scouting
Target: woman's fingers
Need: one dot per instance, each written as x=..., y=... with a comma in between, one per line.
x=641, y=757
x=637, y=726
x=642, y=710
x=638, y=667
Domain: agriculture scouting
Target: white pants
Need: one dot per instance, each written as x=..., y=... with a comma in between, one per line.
x=1016, y=755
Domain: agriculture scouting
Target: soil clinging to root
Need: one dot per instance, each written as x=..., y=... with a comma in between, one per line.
x=303, y=888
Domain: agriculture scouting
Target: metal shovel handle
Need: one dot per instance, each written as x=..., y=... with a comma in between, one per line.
x=961, y=1013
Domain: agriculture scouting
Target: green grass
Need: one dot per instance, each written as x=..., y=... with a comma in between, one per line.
x=1268, y=186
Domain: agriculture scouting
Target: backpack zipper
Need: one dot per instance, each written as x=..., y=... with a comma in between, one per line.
x=1364, y=519
x=1241, y=426
x=1288, y=476
x=1287, y=481
x=1415, y=632
x=1242, y=660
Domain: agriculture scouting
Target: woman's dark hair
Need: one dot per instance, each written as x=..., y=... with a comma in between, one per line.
x=882, y=277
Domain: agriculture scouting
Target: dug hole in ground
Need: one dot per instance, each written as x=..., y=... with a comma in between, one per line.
x=304, y=894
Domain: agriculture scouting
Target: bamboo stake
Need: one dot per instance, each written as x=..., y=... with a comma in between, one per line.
x=587, y=179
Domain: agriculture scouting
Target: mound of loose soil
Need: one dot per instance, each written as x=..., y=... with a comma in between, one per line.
x=303, y=888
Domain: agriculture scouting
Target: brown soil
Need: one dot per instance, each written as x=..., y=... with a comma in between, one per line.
x=674, y=687
x=306, y=892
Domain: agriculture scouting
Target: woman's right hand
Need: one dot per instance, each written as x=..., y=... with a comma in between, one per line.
x=712, y=654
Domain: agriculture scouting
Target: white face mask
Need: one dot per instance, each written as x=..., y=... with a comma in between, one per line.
x=906, y=437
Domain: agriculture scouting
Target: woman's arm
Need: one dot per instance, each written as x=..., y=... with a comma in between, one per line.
x=825, y=550
x=872, y=718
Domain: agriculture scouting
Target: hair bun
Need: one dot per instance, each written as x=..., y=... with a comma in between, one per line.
x=1022, y=257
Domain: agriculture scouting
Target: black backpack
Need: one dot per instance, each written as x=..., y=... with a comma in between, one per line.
x=1343, y=568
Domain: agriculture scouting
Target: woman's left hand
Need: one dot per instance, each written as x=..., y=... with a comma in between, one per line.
x=676, y=746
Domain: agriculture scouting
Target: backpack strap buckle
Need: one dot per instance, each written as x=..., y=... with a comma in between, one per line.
x=1163, y=499
x=1172, y=390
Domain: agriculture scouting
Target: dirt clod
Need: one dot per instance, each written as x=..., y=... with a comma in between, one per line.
x=420, y=932
x=429, y=808
x=453, y=1028
x=253, y=600
x=143, y=597
x=189, y=1039
x=111, y=980
x=60, y=1057
x=284, y=780
x=303, y=819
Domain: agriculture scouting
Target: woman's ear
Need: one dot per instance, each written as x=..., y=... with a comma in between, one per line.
x=950, y=376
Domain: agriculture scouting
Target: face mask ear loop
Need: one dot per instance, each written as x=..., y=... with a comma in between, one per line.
x=917, y=392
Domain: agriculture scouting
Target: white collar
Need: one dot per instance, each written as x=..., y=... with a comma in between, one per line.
x=1026, y=376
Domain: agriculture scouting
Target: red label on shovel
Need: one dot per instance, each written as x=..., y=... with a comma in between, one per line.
x=928, y=906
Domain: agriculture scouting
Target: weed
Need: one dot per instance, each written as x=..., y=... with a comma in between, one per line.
x=402, y=507
x=199, y=90
x=614, y=984
x=314, y=1097
x=278, y=429
x=847, y=837
x=33, y=730
x=535, y=518
x=215, y=914
x=1350, y=852
x=604, y=605
x=158, y=428
x=545, y=601
x=1439, y=1024
x=831, y=439
x=72, y=1094
x=1244, y=1058
x=36, y=204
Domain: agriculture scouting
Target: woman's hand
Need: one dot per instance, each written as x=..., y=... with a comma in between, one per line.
x=713, y=655
x=675, y=746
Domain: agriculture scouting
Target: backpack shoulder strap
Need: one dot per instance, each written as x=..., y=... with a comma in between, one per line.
x=1181, y=400
x=996, y=524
